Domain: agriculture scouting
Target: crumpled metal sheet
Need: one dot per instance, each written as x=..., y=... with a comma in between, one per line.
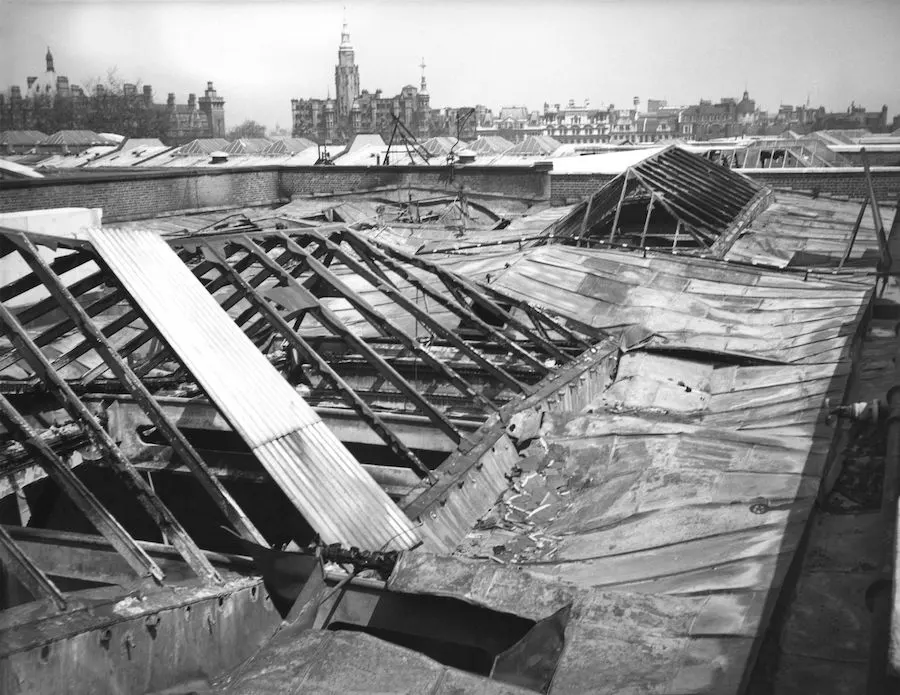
x=615, y=641
x=686, y=303
x=345, y=663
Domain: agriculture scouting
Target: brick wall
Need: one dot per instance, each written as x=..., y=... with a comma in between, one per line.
x=526, y=182
x=876, y=158
x=569, y=188
x=135, y=195
x=146, y=194
x=835, y=181
x=850, y=182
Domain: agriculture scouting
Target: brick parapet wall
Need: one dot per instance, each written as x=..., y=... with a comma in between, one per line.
x=525, y=182
x=128, y=195
x=834, y=181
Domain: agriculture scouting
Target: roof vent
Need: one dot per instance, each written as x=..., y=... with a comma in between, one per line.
x=218, y=157
x=465, y=157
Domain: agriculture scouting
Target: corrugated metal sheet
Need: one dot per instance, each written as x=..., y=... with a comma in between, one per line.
x=685, y=302
x=314, y=469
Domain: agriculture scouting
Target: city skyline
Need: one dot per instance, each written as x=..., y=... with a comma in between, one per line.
x=496, y=54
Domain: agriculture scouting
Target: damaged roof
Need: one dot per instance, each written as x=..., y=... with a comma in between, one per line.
x=637, y=431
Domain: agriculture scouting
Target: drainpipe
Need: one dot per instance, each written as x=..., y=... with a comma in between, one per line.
x=884, y=595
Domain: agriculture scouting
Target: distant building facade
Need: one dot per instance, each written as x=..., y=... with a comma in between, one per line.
x=855, y=117
x=198, y=118
x=729, y=118
x=352, y=111
x=51, y=103
x=513, y=123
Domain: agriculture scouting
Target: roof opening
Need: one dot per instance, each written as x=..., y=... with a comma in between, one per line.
x=462, y=635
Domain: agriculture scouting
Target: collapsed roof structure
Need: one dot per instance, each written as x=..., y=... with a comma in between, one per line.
x=518, y=448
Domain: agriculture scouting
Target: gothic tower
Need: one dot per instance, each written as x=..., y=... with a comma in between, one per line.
x=49, y=60
x=346, y=76
x=213, y=106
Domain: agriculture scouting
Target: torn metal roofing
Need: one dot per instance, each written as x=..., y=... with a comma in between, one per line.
x=685, y=303
x=802, y=231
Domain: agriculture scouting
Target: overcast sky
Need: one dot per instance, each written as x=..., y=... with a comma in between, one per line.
x=260, y=54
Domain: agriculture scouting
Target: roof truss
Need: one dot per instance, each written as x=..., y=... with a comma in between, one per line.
x=401, y=323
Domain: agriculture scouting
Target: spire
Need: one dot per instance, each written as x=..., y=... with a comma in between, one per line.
x=424, y=88
x=345, y=34
x=49, y=60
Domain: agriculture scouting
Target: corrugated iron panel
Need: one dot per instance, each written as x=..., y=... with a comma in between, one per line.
x=312, y=467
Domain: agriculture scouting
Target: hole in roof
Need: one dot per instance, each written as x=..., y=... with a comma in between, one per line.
x=456, y=633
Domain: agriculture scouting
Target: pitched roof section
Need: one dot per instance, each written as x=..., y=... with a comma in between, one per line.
x=76, y=138
x=21, y=137
x=287, y=146
x=247, y=146
x=361, y=140
x=536, y=145
x=441, y=146
x=490, y=144
x=202, y=146
x=673, y=200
